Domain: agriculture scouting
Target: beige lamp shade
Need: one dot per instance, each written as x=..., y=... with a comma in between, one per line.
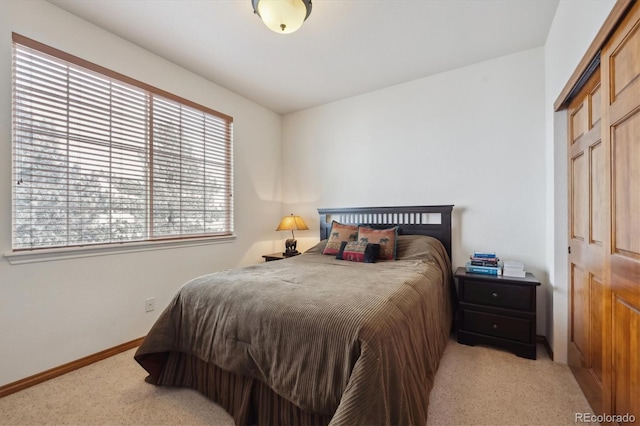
x=289, y=223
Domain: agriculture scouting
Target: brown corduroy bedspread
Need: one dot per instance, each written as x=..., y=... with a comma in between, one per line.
x=358, y=342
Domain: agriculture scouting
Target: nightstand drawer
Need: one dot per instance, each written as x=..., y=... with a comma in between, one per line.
x=496, y=310
x=497, y=325
x=500, y=295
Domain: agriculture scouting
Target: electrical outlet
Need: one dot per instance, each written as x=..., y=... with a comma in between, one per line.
x=150, y=304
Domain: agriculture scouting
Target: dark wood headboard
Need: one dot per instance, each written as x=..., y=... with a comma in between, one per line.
x=434, y=221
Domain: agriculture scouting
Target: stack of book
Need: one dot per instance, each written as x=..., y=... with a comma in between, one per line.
x=512, y=268
x=483, y=262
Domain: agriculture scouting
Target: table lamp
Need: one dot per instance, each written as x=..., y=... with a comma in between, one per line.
x=290, y=223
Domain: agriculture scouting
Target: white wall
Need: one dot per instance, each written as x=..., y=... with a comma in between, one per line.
x=574, y=27
x=55, y=312
x=473, y=137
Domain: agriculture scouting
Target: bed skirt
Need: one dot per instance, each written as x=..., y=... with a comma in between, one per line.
x=248, y=401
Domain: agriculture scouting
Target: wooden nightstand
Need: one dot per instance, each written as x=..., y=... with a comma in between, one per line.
x=497, y=310
x=275, y=256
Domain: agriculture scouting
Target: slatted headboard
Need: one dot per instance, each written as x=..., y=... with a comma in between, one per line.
x=434, y=221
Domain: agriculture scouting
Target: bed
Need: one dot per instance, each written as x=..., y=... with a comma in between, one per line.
x=316, y=340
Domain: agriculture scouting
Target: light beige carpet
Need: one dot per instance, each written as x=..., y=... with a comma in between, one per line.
x=478, y=385
x=474, y=386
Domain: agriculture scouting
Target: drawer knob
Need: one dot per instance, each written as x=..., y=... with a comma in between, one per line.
x=495, y=326
x=494, y=294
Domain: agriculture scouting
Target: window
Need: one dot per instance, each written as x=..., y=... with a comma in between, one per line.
x=100, y=158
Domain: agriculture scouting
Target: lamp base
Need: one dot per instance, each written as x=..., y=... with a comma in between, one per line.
x=290, y=253
x=290, y=247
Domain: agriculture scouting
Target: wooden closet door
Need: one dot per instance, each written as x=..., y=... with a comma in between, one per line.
x=620, y=62
x=587, y=240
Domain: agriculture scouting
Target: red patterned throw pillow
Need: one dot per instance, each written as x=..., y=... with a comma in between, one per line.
x=358, y=252
x=339, y=232
x=387, y=239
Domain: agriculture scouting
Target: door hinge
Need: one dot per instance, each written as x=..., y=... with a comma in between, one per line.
x=569, y=249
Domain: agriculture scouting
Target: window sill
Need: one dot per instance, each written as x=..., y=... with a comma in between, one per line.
x=47, y=255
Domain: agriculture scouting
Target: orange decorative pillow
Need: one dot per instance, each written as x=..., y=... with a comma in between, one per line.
x=387, y=239
x=339, y=232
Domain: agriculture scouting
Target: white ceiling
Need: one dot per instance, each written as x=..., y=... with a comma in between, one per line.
x=345, y=48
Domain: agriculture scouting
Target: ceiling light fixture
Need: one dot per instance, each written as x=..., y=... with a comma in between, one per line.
x=282, y=16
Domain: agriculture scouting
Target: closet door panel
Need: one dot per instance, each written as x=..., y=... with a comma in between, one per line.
x=621, y=136
x=579, y=197
x=625, y=63
x=625, y=161
x=587, y=235
x=597, y=195
x=626, y=395
x=595, y=329
x=579, y=315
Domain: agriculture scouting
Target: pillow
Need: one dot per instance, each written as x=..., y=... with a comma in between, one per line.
x=358, y=252
x=371, y=253
x=385, y=237
x=340, y=254
x=339, y=232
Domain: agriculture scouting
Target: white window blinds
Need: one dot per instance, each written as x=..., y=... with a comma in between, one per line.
x=99, y=159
